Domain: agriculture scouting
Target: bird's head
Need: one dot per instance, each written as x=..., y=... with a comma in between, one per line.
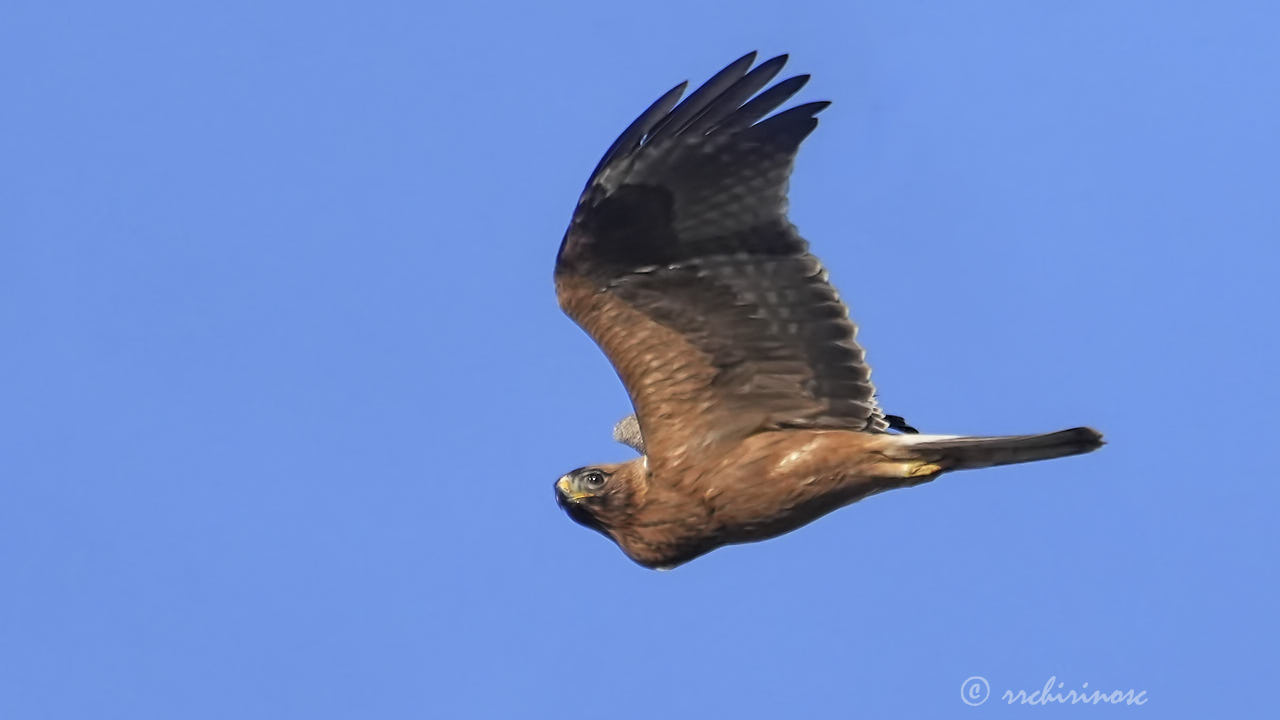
x=601, y=497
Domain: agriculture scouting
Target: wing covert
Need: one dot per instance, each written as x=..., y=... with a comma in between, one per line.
x=681, y=264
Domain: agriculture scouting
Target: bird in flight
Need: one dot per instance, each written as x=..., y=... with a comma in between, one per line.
x=754, y=408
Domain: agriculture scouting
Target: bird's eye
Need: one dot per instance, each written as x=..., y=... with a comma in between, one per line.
x=593, y=480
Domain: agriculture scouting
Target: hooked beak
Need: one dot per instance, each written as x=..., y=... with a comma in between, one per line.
x=565, y=491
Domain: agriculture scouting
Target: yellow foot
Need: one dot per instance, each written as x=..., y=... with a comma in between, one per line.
x=923, y=469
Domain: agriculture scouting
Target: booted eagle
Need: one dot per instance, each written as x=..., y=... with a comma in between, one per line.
x=754, y=408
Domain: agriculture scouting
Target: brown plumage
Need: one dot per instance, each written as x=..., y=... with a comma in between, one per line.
x=756, y=413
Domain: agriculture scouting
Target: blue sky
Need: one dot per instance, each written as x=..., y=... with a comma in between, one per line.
x=285, y=388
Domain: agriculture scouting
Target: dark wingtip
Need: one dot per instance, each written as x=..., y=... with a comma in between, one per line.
x=727, y=102
x=641, y=126
x=774, y=63
x=815, y=107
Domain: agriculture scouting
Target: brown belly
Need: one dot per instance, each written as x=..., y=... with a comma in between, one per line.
x=769, y=485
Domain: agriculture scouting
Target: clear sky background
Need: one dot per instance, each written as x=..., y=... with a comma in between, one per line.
x=284, y=388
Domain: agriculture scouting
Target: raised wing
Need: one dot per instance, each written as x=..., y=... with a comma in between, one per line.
x=681, y=264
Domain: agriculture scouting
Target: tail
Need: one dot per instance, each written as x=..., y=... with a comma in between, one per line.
x=963, y=453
